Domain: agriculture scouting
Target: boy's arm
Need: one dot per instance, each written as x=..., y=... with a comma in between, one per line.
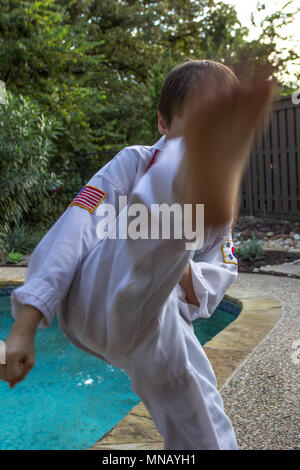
x=207, y=277
x=56, y=258
x=28, y=320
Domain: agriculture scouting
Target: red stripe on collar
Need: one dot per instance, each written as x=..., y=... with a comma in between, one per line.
x=153, y=158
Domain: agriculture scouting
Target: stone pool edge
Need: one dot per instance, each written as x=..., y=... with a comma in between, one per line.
x=227, y=352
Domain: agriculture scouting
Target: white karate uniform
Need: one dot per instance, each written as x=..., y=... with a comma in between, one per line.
x=120, y=299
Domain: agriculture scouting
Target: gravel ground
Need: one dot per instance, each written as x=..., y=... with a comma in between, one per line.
x=262, y=399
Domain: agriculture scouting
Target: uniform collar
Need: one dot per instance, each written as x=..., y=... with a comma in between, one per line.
x=159, y=144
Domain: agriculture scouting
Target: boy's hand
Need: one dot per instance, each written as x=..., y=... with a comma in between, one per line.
x=186, y=283
x=219, y=133
x=19, y=346
x=20, y=357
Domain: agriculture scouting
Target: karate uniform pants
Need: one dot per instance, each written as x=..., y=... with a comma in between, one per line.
x=123, y=307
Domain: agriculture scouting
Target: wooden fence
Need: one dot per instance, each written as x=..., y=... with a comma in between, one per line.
x=271, y=186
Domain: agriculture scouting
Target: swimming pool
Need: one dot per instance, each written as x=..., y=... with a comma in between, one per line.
x=70, y=399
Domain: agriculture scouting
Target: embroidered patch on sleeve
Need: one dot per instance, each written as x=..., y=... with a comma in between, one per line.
x=89, y=198
x=229, y=252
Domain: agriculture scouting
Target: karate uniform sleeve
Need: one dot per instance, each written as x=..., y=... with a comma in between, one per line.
x=61, y=251
x=212, y=274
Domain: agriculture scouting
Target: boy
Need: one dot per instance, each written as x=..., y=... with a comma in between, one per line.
x=131, y=302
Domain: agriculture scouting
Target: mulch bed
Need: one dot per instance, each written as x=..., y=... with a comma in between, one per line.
x=260, y=226
x=269, y=257
x=266, y=225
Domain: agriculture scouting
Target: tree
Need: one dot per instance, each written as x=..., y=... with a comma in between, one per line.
x=97, y=66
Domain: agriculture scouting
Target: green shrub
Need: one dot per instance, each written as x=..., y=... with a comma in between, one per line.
x=26, y=143
x=14, y=257
x=21, y=238
x=250, y=250
x=50, y=206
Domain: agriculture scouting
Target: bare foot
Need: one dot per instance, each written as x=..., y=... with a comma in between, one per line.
x=219, y=134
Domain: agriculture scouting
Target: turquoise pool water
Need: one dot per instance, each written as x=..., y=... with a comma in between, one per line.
x=70, y=399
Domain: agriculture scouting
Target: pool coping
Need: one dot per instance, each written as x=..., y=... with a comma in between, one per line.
x=227, y=352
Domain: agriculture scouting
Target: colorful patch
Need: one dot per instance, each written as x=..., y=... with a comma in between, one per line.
x=88, y=198
x=229, y=252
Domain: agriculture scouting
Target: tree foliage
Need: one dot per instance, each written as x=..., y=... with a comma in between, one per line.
x=86, y=61
x=96, y=67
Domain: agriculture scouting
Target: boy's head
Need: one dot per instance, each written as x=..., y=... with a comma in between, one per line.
x=186, y=82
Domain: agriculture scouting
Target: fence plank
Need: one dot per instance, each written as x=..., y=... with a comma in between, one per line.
x=292, y=159
x=249, y=189
x=267, y=154
x=275, y=164
x=283, y=160
x=261, y=172
x=247, y=193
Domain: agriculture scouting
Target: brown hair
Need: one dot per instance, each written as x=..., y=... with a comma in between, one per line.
x=181, y=78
